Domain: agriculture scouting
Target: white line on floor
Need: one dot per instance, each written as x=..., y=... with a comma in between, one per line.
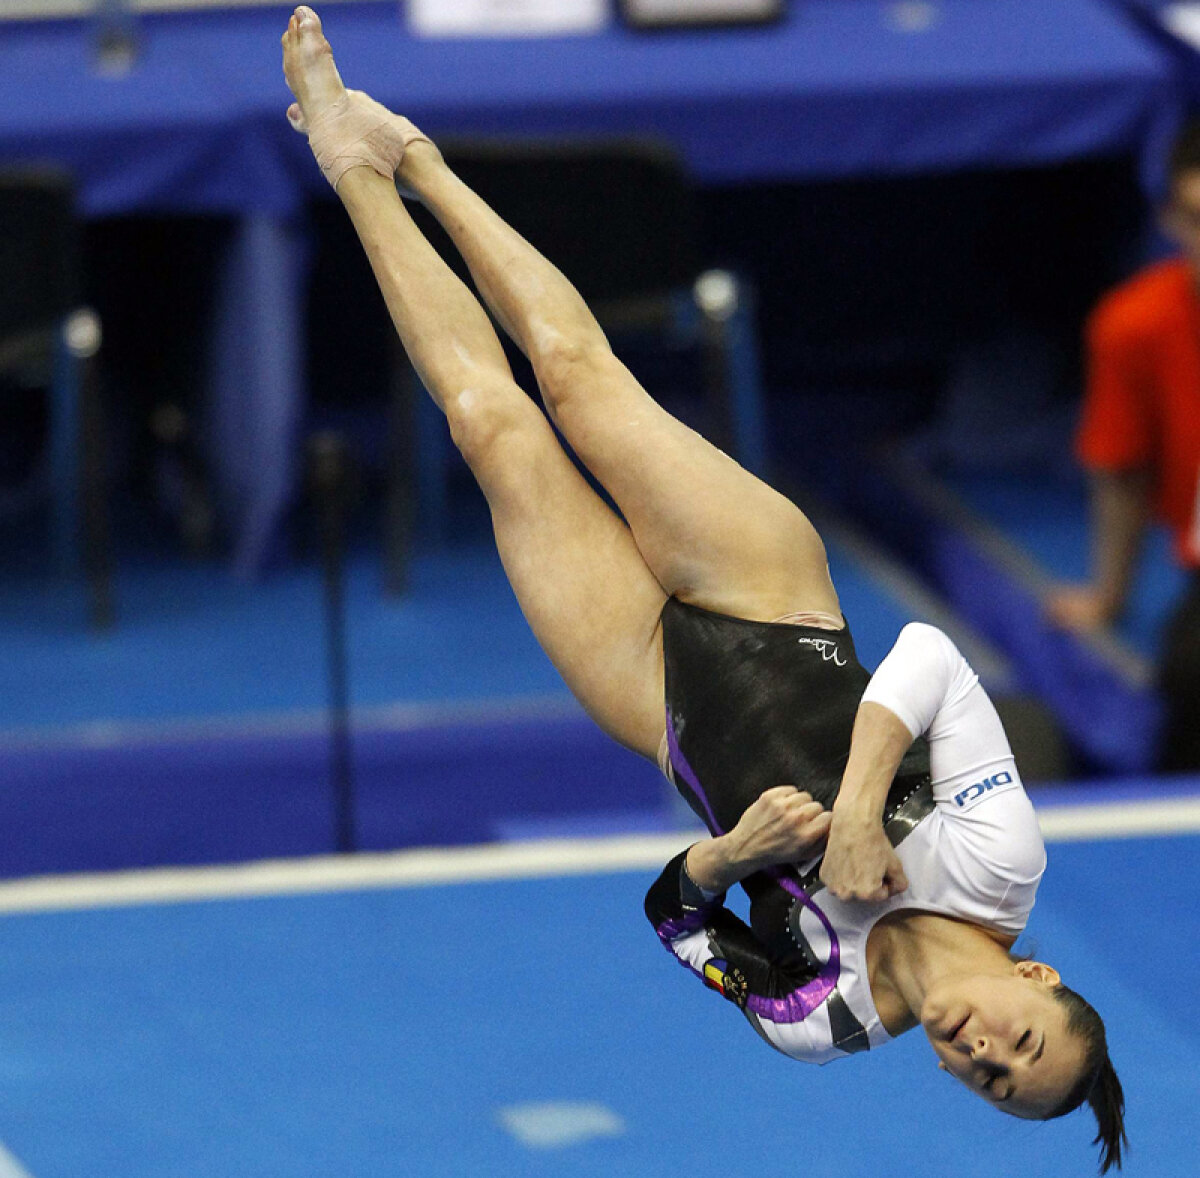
x=526, y=860
x=1133, y=819
x=10, y=1167
x=398, y=717
x=335, y=873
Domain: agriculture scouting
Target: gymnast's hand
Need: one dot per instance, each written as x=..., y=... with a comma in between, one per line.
x=783, y=825
x=860, y=863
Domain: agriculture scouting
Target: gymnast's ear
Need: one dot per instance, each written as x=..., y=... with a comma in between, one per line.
x=1038, y=971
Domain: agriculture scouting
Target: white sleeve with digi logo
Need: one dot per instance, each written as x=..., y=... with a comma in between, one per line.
x=989, y=836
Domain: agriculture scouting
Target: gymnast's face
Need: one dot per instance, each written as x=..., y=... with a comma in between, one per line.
x=1006, y=1038
x=1181, y=217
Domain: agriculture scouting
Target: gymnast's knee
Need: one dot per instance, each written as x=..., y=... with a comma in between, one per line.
x=566, y=366
x=486, y=422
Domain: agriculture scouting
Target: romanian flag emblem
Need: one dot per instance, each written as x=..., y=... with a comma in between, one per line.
x=714, y=974
x=727, y=980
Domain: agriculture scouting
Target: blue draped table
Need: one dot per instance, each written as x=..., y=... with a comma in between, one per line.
x=839, y=88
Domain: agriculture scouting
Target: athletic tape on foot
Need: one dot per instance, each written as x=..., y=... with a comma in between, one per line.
x=356, y=131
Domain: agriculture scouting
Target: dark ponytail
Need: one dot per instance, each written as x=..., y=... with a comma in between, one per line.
x=1098, y=1083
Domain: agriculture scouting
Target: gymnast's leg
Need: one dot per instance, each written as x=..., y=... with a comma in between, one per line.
x=710, y=532
x=581, y=582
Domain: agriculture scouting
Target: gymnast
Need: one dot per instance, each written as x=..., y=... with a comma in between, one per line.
x=886, y=893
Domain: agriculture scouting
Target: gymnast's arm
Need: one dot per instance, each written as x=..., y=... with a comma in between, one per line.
x=782, y=825
x=860, y=863
x=686, y=903
x=921, y=678
x=702, y=934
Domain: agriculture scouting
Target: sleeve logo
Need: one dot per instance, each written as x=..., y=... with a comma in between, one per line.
x=966, y=798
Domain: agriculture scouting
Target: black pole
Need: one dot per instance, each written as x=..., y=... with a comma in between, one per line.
x=83, y=339
x=329, y=461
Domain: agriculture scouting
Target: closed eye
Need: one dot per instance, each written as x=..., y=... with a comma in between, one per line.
x=990, y=1087
x=1023, y=1040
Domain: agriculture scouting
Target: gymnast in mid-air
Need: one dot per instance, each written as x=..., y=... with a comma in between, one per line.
x=877, y=823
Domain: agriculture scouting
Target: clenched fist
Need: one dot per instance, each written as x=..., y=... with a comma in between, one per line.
x=784, y=825
x=860, y=863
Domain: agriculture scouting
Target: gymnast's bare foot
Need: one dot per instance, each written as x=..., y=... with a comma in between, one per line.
x=309, y=68
x=346, y=129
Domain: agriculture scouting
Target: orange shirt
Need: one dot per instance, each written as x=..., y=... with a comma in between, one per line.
x=1142, y=405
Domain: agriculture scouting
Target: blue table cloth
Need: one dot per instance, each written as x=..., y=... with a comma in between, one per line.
x=838, y=88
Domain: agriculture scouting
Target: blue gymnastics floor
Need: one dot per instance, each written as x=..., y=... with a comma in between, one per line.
x=534, y=1027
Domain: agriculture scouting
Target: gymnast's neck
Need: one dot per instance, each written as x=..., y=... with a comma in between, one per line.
x=909, y=952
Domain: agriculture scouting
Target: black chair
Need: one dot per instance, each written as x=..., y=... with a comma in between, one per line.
x=618, y=218
x=48, y=340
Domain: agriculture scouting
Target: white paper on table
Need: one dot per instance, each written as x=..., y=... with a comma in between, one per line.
x=699, y=10
x=505, y=18
x=1184, y=21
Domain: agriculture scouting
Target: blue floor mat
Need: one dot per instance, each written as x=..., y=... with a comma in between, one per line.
x=193, y=641
x=412, y=1031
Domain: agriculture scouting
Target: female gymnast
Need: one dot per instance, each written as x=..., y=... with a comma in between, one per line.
x=884, y=895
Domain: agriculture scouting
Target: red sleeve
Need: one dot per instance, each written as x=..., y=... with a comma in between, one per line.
x=1117, y=429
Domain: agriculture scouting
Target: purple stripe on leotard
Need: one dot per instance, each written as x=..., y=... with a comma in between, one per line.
x=693, y=922
x=680, y=765
x=801, y=1002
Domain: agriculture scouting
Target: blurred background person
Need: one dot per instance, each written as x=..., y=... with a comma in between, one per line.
x=1139, y=439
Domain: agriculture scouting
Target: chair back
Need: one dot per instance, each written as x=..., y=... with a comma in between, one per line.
x=39, y=250
x=616, y=216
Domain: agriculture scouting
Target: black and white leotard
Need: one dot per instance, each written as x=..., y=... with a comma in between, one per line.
x=751, y=705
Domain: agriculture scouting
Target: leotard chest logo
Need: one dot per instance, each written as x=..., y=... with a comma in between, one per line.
x=827, y=647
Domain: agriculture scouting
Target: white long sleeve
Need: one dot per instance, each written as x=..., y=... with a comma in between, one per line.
x=989, y=850
x=930, y=687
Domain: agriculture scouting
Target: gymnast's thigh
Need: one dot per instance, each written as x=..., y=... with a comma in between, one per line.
x=711, y=532
x=582, y=584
